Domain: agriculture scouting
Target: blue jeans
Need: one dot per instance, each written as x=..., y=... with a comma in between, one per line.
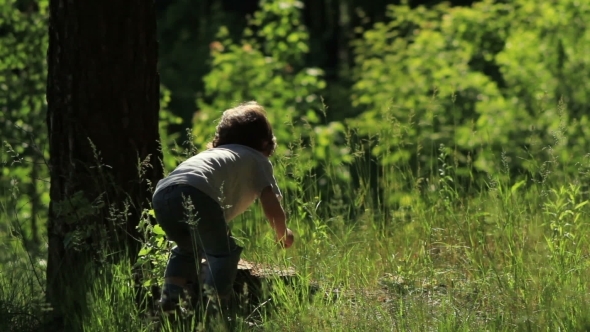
x=196, y=223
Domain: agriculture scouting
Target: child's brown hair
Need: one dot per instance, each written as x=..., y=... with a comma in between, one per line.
x=245, y=124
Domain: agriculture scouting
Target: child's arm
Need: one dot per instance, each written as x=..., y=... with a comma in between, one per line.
x=276, y=216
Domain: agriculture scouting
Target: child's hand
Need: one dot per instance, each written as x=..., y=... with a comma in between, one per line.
x=276, y=216
x=287, y=240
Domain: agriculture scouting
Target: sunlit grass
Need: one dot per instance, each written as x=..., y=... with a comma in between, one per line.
x=391, y=251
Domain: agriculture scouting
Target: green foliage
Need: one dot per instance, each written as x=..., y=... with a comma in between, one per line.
x=22, y=75
x=168, y=137
x=484, y=80
x=185, y=30
x=244, y=72
x=153, y=256
x=565, y=211
x=23, y=39
x=267, y=66
x=542, y=65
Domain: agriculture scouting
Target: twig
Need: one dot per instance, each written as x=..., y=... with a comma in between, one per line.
x=258, y=307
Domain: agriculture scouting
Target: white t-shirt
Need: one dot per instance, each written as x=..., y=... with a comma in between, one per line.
x=233, y=174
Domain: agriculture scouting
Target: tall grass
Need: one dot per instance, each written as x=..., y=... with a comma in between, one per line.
x=22, y=280
x=511, y=255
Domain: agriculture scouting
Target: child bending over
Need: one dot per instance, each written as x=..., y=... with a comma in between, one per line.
x=194, y=203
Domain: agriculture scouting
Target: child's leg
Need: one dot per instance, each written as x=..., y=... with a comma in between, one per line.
x=222, y=271
x=180, y=269
x=218, y=247
x=202, y=226
x=183, y=260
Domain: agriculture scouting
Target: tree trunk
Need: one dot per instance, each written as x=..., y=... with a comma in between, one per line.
x=103, y=102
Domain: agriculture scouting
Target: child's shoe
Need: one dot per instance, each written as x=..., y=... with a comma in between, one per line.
x=170, y=300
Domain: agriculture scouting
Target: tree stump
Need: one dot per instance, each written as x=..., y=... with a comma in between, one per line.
x=249, y=286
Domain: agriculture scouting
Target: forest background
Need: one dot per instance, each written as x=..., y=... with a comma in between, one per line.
x=381, y=109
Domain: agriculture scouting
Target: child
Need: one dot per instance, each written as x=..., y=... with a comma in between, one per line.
x=195, y=201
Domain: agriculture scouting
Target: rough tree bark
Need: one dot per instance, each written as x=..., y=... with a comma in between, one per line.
x=103, y=103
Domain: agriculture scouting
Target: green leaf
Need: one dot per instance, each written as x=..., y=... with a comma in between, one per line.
x=144, y=251
x=517, y=185
x=581, y=205
x=158, y=230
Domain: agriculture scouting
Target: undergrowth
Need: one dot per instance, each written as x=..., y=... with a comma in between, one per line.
x=510, y=254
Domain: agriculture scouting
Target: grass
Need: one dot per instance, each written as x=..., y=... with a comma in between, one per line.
x=22, y=285
x=512, y=256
